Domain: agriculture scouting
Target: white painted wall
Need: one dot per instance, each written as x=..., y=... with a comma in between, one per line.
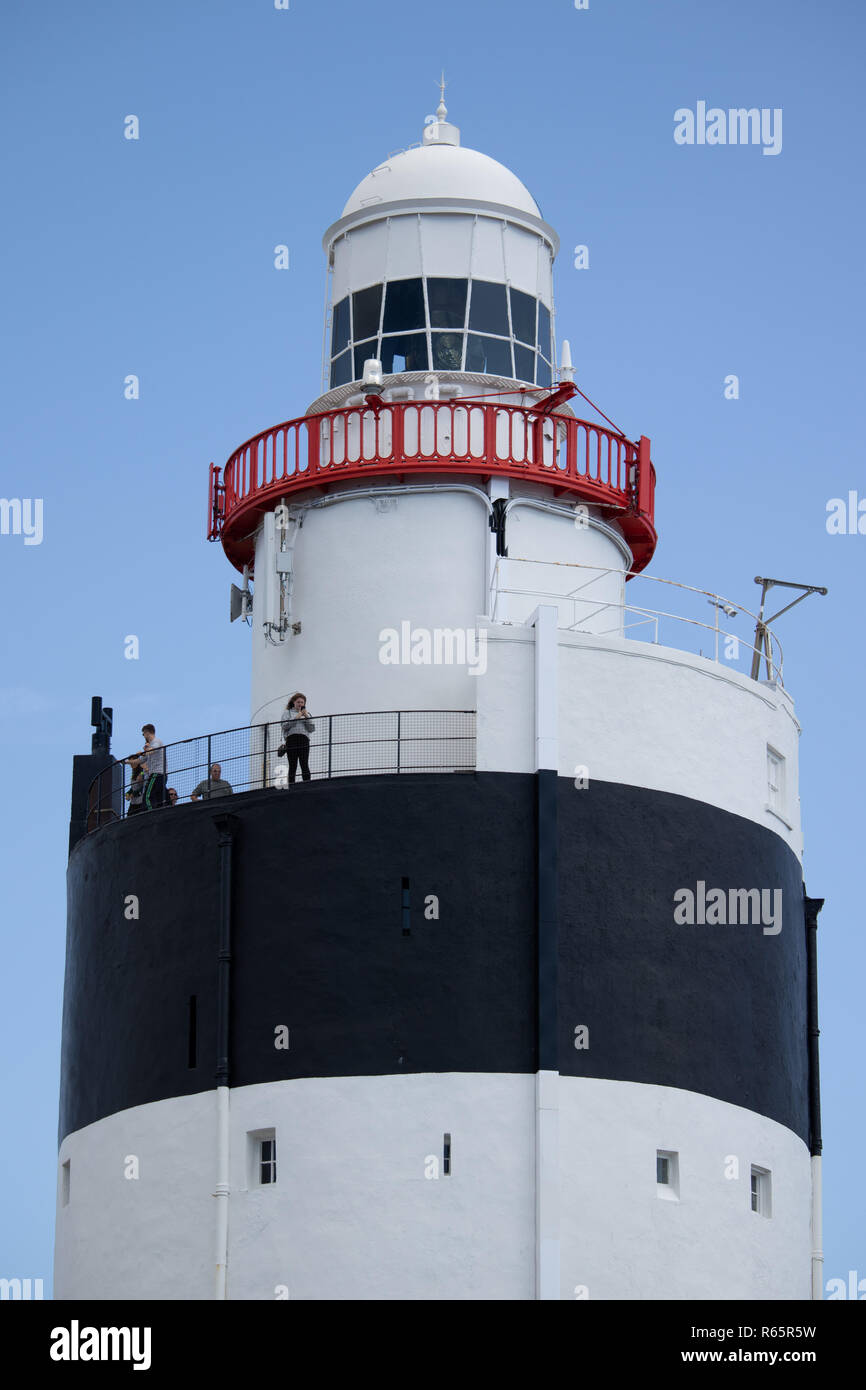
x=624, y=1241
x=590, y=565
x=362, y=564
x=456, y=244
x=647, y=716
x=352, y=1215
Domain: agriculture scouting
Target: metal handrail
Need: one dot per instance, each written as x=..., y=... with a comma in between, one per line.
x=457, y=435
x=341, y=745
x=648, y=614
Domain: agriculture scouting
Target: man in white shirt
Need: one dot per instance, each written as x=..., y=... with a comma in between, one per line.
x=153, y=757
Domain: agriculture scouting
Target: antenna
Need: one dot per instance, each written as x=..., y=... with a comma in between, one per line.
x=763, y=643
x=241, y=602
x=102, y=719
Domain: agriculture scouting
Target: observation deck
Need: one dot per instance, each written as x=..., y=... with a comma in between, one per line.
x=395, y=439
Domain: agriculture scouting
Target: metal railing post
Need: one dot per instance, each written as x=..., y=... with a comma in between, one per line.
x=265, y=758
x=208, y=763
x=398, y=738
x=330, y=741
x=644, y=499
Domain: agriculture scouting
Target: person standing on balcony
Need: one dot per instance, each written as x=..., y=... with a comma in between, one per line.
x=153, y=758
x=297, y=725
x=137, y=784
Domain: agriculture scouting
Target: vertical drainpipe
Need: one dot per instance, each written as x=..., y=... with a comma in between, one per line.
x=813, y=907
x=498, y=490
x=226, y=827
x=547, y=1176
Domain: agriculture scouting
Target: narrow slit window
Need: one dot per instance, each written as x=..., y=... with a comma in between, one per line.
x=446, y=1155
x=404, y=906
x=761, y=1191
x=261, y=1161
x=667, y=1174
x=775, y=781
x=268, y=1161
x=192, y=1033
x=64, y=1184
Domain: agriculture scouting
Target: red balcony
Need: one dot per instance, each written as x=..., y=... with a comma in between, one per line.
x=408, y=439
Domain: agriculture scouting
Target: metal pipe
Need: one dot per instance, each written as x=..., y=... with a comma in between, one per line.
x=813, y=907
x=226, y=827
x=547, y=1159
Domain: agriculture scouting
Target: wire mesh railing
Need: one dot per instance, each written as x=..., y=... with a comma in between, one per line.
x=255, y=757
x=579, y=592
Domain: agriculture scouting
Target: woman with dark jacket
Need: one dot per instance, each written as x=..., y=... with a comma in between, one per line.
x=137, y=784
x=297, y=725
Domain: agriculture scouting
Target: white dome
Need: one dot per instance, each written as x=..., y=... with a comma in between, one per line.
x=442, y=171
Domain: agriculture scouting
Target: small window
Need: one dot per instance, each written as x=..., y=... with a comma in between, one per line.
x=447, y=301
x=406, y=353
x=488, y=311
x=544, y=331
x=366, y=311
x=404, y=306
x=64, y=1184
x=340, y=330
x=447, y=351
x=775, y=781
x=268, y=1161
x=490, y=355
x=523, y=316
x=667, y=1174
x=261, y=1158
x=761, y=1194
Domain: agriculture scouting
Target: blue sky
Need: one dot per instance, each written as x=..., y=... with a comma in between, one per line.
x=155, y=257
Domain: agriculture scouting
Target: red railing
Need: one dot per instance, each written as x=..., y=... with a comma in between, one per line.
x=440, y=437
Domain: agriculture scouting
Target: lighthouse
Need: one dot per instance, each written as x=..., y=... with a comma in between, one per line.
x=505, y=989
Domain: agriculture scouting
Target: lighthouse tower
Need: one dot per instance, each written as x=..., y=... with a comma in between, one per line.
x=514, y=997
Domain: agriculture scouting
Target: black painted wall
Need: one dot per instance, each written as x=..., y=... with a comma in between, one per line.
x=319, y=944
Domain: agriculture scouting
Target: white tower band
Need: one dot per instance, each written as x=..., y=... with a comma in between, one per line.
x=514, y=998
